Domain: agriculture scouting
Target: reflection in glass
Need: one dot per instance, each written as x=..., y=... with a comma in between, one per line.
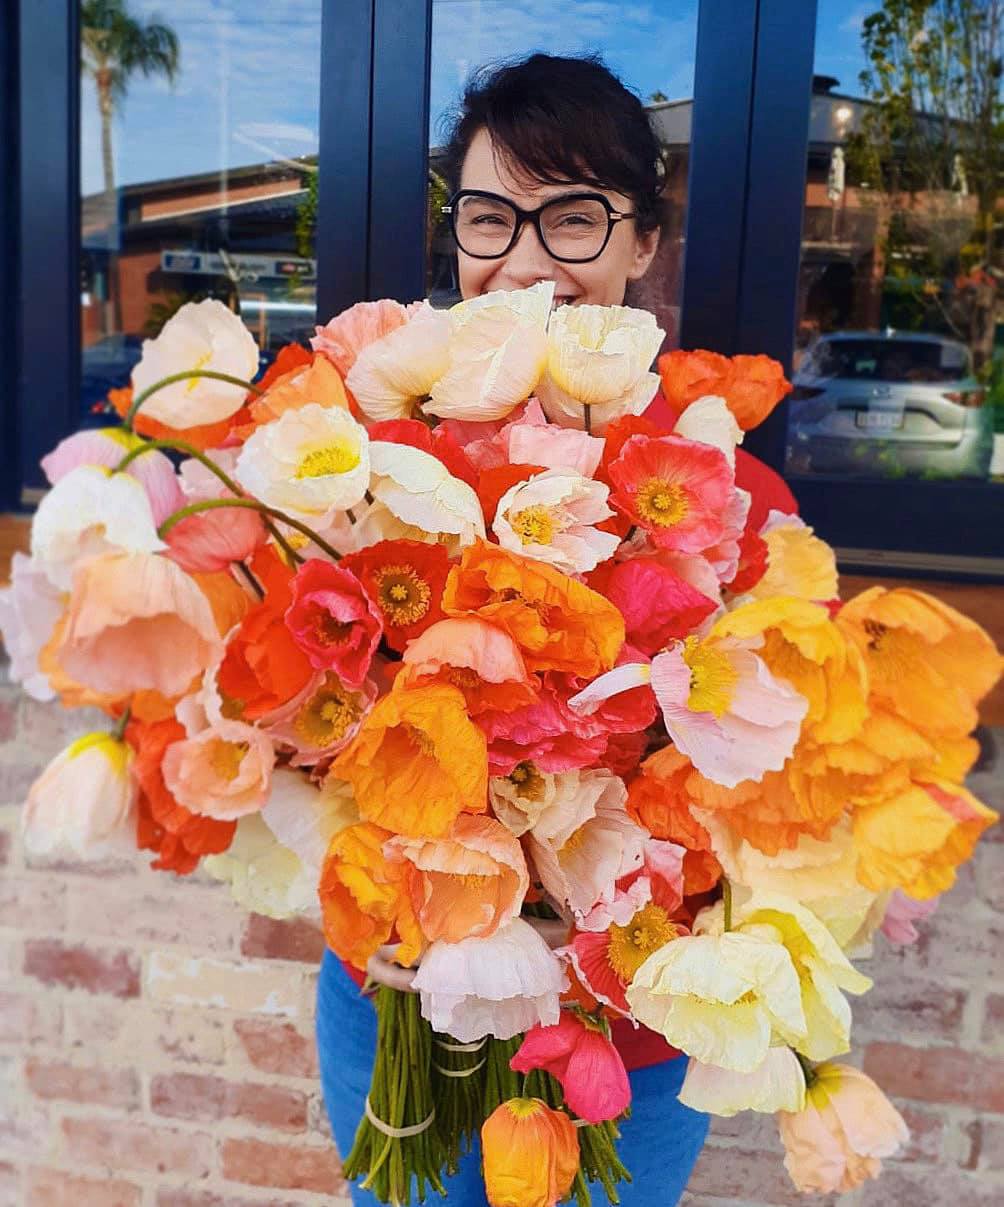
x=197, y=181
x=899, y=366
x=650, y=46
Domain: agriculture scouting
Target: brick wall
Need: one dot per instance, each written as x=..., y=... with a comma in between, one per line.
x=156, y=1043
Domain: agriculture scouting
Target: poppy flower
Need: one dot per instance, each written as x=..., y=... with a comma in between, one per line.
x=530, y=1154
x=405, y=579
x=30, y=607
x=677, y=490
x=333, y=620
x=657, y=603
x=316, y=382
x=557, y=622
x=553, y=517
x=417, y=762
x=420, y=492
x=437, y=442
x=578, y=1053
x=752, y=386
x=777, y=1085
x=393, y=374
x=342, y=338
x=321, y=720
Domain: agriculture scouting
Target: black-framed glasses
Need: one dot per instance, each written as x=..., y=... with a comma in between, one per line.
x=574, y=228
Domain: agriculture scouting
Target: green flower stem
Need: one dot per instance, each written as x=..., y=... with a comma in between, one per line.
x=253, y=505
x=727, y=899
x=587, y=417
x=121, y=723
x=187, y=375
x=182, y=446
x=250, y=579
x=808, y=1069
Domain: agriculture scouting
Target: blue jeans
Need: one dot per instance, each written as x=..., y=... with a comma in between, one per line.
x=660, y=1142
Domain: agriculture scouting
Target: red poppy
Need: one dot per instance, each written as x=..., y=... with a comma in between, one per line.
x=405, y=580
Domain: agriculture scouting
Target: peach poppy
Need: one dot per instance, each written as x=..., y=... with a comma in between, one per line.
x=405, y=579
x=263, y=667
x=136, y=622
x=316, y=382
x=210, y=541
x=364, y=899
x=557, y=622
x=926, y=662
x=466, y=885
x=752, y=386
x=578, y=1053
x=482, y=661
x=916, y=839
x=838, y=1140
x=333, y=620
x=321, y=720
x=417, y=762
x=342, y=338
x=677, y=490
x=530, y=1154
x=220, y=774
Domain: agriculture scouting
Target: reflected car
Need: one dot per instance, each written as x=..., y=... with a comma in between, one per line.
x=890, y=404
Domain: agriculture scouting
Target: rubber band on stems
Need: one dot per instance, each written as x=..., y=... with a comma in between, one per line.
x=399, y=1133
x=461, y=1072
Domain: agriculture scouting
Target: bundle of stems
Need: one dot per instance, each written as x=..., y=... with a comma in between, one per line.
x=458, y=1087
x=501, y=1083
x=397, y=1144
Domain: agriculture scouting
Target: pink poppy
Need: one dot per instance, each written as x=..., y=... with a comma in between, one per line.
x=578, y=1053
x=210, y=541
x=531, y=440
x=900, y=915
x=538, y=732
x=221, y=774
x=106, y=447
x=675, y=489
x=628, y=712
x=657, y=603
x=344, y=337
x=333, y=620
x=659, y=880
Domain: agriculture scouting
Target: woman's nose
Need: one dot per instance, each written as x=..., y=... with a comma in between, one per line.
x=528, y=261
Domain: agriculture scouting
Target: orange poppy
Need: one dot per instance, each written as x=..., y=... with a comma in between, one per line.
x=530, y=1154
x=752, y=386
x=206, y=435
x=558, y=622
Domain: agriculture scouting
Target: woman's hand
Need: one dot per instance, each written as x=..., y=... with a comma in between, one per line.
x=382, y=969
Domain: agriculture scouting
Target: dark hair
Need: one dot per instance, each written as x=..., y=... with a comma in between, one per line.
x=553, y=119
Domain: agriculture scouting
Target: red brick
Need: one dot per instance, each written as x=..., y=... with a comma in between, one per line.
x=986, y=1137
x=993, y=1019
x=160, y=911
x=70, y=1083
x=197, y=1096
x=277, y=1048
x=953, y=943
x=281, y=1166
x=898, y=1186
x=937, y=1075
x=57, y=1188
x=204, y=1198
x=901, y=1006
x=32, y=902
x=926, y=1131
x=26, y=1131
x=28, y=1019
x=736, y=1173
x=283, y=939
x=74, y=966
x=137, y=1146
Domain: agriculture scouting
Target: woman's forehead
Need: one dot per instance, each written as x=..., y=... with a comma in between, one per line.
x=486, y=167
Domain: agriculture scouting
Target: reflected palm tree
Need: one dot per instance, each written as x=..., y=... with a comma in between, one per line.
x=114, y=46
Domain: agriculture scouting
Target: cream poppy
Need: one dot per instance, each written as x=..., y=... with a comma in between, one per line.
x=551, y=517
x=201, y=335
x=778, y=1084
x=311, y=463
x=708, y=420
x=420, y=492
x=392, y=376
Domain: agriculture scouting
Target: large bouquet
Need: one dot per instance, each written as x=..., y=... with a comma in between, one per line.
x=429, y=631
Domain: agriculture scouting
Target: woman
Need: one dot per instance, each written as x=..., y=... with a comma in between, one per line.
x=558, y=177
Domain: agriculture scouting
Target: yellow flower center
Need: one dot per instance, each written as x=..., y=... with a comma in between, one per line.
x=528, y=781
x=524, y=1108
x=402, y=595
x=662, y=503
x=631, y=945
x=201, y=363
x=328, y=715
x=225, y=758
x=336, y=458
x=328, y=630
x=712, y=677
x=420, y=739
x=533, y=525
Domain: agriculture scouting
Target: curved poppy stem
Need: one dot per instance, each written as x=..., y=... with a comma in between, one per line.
x=182, y=446
x=253, y=505
x=187, y=375
x=120, y=725
x=727, y=899
x=587, y=417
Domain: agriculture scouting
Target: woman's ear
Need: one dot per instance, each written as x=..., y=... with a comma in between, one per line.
x=645, y=247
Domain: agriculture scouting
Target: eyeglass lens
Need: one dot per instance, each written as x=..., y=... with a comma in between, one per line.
x=571, y=228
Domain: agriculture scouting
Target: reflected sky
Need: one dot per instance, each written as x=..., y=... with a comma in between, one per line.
x=249, y=79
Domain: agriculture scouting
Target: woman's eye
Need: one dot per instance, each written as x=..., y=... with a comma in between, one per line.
x=488, y=220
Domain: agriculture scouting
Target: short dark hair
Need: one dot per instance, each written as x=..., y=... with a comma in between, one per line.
x=555, y=119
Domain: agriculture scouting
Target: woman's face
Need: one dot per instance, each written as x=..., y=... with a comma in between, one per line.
x=601, y=282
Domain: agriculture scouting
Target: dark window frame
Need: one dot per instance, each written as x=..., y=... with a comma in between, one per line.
x=751, y=111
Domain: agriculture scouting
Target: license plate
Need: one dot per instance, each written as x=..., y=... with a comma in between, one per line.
x=881, y=421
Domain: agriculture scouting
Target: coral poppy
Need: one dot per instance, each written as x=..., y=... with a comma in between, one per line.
x=466, y=885
x=417, y=762
x=342, y=338
x=578, y=1053
x=558, y=623
x=364, y=899
x=752, y=386
x=838, y=1140
x=221, y=774
x=481, y=660
x=393, y=374
x=405, y=579
x=333, y=620
x=530, y=1154
x=317, y=382
x=677, y=490
x=321, y=720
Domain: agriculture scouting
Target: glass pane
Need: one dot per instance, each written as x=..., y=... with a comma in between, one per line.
x=198, y=165
x=899, y=363
x=649, y=46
